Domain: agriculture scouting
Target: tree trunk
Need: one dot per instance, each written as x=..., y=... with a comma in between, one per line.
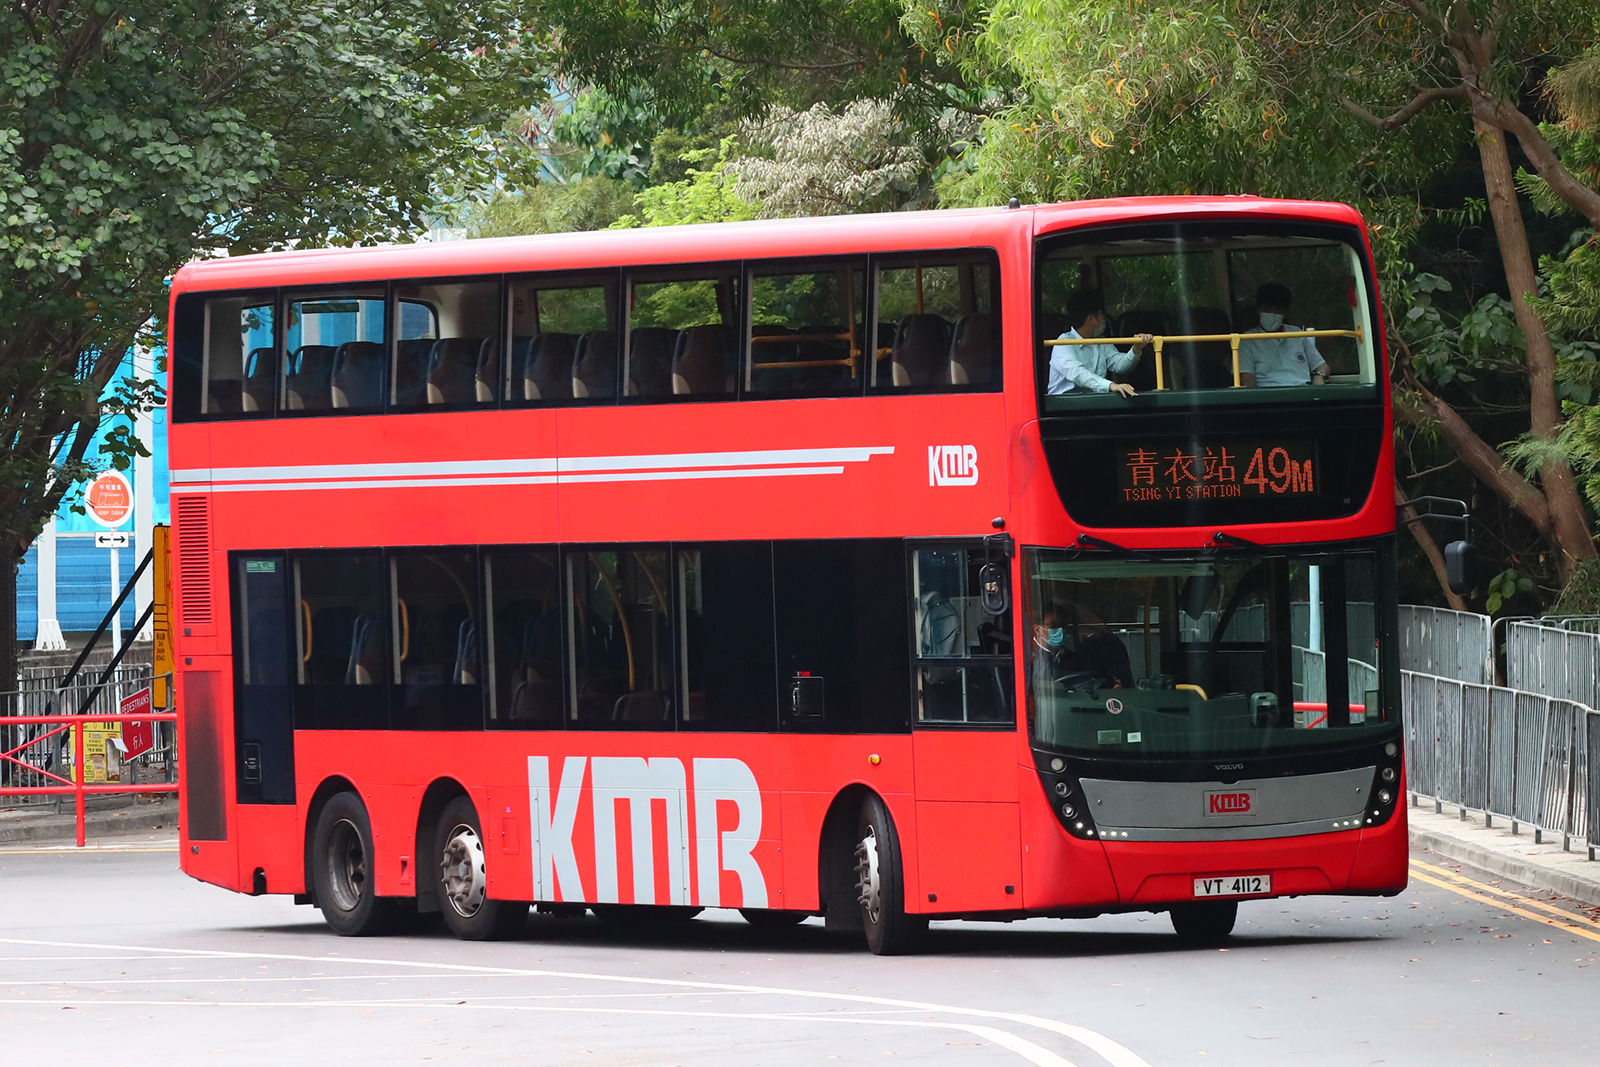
x=1568, y=523
x=1430, y=548
x=8, y=626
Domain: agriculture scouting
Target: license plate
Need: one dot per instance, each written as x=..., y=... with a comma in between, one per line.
x=1233, y=885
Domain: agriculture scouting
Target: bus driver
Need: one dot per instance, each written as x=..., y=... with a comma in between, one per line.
x=1278, y=361
x=1084, y=367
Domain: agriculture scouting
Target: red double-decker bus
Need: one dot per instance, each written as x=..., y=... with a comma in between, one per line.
x=961, y=564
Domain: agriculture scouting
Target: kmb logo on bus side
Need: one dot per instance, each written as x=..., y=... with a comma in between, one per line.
x=1230, y=803
x=952, y=465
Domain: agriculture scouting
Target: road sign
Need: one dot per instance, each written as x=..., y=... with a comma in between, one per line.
x=138, y=737
x=112, y=540
x=109, y=499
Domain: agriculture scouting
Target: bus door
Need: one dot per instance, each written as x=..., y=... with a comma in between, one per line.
x=964, y=740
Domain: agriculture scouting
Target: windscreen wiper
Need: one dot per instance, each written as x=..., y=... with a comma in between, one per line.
x=1223, y=538
x=1090, y=541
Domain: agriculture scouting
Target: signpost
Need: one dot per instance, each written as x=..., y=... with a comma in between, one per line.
x=109, y=501
x=138, y=736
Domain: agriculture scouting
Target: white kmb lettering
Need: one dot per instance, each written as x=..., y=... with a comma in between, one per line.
x=639, y=781
x=554, y=862
x=952, y=465
x=727, y=779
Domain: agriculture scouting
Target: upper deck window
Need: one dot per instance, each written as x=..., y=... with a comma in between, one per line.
x=1200, y=315
x=682, y=328
x=448, y=348
x=335, y=351
x=239, y=356
x=559, y=325
x=806, y=328
x=938, y=323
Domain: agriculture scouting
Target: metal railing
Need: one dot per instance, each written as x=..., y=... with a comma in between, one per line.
x=1544, y=656
x=1160, y=341
x=1450, y=644
x=1510, y=754
x=44, y=754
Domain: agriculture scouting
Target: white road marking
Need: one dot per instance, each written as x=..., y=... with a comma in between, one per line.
x=1029, y=1051
x=1115, y=1054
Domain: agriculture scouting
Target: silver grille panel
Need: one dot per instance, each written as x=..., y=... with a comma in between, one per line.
x=1209, y=811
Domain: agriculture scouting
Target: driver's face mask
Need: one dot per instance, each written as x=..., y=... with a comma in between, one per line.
x=1055, y=636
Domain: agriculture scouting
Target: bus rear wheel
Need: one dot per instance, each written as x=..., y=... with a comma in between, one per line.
x=880, y=884
x=462, y=879
x=342, y=867
x=1205, y=923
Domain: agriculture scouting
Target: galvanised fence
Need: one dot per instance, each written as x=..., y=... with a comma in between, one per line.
x=1519, y=752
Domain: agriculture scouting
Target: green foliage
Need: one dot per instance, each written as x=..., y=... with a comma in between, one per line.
x=550, y=207
x=137, y=135
x=1504, y=586
x=705, y=195
x=1581, y=595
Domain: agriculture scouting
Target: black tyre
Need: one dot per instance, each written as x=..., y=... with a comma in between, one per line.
x=767, y=919
x=880, y=884
x=1205, y=923
x=461, y=873
x=342, y=867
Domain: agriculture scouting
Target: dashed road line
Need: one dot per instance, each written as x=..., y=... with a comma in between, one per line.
x=1567, y=924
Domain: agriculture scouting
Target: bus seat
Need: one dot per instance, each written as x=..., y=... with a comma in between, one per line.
x=256, y=389
x=700, y=363
x=1207, y=364
x=452, y=369
x=547, y=366
x=972, y=350
x=365, y=655
x=536, y=698
x=1143, y=375
x=357, y=378
x=641, y=707
x=486, y=380
x=597, y=698
x=921, y=352
x=308, y=378
x=466, y=668
x=650, y=351
x=411, y=370
x=594, y=366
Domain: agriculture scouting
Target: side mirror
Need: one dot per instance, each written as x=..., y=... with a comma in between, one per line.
x=1460, y=566
x=994, y=588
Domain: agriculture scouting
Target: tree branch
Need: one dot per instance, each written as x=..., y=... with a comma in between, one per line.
x=1407, y=113
x=1582, y=199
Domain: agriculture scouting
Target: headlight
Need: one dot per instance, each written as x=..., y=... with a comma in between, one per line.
x=1068, y=811
x=1385, y=796
x=1387, y=774
x=1390, y=749
x=1062, y=789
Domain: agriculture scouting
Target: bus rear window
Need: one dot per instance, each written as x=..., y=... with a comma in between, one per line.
x=1202, y=314
x=239, y=357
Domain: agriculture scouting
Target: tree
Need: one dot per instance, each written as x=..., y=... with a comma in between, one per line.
x=137, y=135
x=1355, y=102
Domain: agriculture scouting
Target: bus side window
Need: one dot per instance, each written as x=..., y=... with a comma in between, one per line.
x=843, y=654
x=335, y=352
x=806, y=329
x=619, y=626
x=449, y=348
x=938, y=323
x=963, y=653
x=239, y=359
x=523, y=613
x=437, y=641
x=681, y=327
x=725, y=637
x=341, y=620
x=563, y=332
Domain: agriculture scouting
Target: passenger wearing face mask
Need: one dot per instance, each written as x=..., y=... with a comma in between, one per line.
x=1083, y=368
x=1278, y=360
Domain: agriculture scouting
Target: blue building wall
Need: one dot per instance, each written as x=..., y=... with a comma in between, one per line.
x=83, y=572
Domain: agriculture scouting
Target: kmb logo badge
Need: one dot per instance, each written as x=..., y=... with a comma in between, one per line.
x=952, y=465
x=1231, y=803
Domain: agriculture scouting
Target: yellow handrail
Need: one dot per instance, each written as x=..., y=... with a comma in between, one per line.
x=1160, y=340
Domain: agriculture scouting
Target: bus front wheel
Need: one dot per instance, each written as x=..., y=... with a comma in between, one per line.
x=341, y=870
x=880, y=883
x=1205, y=923
x=461, y=875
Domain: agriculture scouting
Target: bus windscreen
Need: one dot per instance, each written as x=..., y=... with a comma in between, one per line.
x=1205, y=657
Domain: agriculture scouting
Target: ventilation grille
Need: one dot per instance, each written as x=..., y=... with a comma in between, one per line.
x=194, y=559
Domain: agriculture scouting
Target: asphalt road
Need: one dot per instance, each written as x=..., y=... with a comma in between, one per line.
x=113, y=956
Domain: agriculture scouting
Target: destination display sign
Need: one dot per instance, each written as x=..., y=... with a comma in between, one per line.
x=1231, y=469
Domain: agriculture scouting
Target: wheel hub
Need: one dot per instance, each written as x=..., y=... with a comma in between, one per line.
x=347, y=866
x=462, y=871
x=869, y=889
